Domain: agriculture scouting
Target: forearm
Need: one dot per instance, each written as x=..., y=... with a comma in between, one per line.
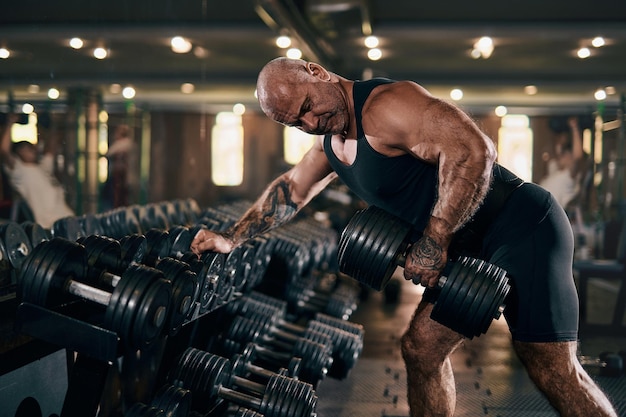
x=461, y=190
x=274, y=208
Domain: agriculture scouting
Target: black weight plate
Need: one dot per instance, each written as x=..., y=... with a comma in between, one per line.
x=129, y=311
x=471, y=303
x=348, y=233
x=35, y=232
x=393, y=240
x=175, y=374
x=365, y=251
x=134, y=248
x=490, y=308
x=64, y=260
x=388, y=252
x=448, y=293
x=119, y=298
x=15, y=242
x=180, y=240
x=29, y=274
x=157, y=300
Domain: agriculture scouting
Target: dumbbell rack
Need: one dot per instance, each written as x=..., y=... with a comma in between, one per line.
x=96, y=349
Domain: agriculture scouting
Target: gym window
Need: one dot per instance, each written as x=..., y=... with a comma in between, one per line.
x=515, y=145
x=227, y=150
x=295, y=144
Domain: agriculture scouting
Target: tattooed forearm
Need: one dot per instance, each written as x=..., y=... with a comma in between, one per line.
x=273, y=209
x=426, y=253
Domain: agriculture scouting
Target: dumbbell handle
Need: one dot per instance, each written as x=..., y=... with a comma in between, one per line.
x=87, y=292
x=110, y=279
x=239, y=398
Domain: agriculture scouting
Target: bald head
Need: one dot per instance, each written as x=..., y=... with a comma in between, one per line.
x=302, y=94
x=276, y=80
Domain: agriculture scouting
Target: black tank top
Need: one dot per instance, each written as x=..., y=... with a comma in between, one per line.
x=406, y=186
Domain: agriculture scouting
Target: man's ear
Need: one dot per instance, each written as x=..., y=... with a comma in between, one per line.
x=318, y=71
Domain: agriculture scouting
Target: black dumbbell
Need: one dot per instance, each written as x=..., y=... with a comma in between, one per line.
x=104, y=257
x=315, y=348
x=15, y=246
x=209, y=377
x=256, y=303
x=470, y=292
x=172, y=401
x=56, y=272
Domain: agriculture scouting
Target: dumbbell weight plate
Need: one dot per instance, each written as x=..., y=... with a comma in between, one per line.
x=41, y=271
x=180, y=239
x=35, y=232
x=134, y=248
x=185, y=290
x=457, y=287
x=15, y=243
x=64, y=259
x=359, y=238
x=359, y=252
x=151, y=312
x=120, y=297
x=28, y=274
x=172, y=401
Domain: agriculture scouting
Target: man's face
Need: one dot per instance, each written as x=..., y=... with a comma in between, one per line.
x=315, y=107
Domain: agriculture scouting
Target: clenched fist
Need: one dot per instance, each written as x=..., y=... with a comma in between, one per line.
x=206, y=240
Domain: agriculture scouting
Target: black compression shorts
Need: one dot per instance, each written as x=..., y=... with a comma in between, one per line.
x=532, y=240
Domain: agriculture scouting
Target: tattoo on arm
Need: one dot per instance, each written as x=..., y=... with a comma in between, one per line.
x=273, y=210
x=426, y=253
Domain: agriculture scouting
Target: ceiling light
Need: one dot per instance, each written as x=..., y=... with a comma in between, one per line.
x=531, y=90
x=128, y=92
x=456, y=94
x=27, y=108
x=374, y=54
x=180, y=45
x=610, y=90
x=76, y=43
x=583, y=53
x=371, y=42
x=33, y=89
x=187, y=88
x=600, y=94
x=100, y=53
x=484, y=47
x=294, y=53
x=239, y=109
x=283, y=42
x=501, y=111
x=4, y=53
x=115, y=88
x=598, y=41
x=53, y=93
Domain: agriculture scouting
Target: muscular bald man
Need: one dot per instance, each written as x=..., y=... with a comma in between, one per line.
x=425, y=161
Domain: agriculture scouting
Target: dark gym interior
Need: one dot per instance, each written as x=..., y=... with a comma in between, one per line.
x=107, y=313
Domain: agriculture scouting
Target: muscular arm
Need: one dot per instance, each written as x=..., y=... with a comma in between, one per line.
x=439, y=133
x=278, y=204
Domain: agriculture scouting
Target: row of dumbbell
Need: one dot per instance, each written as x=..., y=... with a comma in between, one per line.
x=326, y=345
x=108, y=273
x=203, y=382
x=122, y=221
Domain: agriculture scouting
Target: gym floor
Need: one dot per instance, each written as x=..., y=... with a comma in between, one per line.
x=489, y=378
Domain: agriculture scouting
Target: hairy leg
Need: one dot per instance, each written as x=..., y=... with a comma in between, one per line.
x=426, y=347
x=556, y=371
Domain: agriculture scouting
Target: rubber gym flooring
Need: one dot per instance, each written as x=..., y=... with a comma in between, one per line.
x=490, y=380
